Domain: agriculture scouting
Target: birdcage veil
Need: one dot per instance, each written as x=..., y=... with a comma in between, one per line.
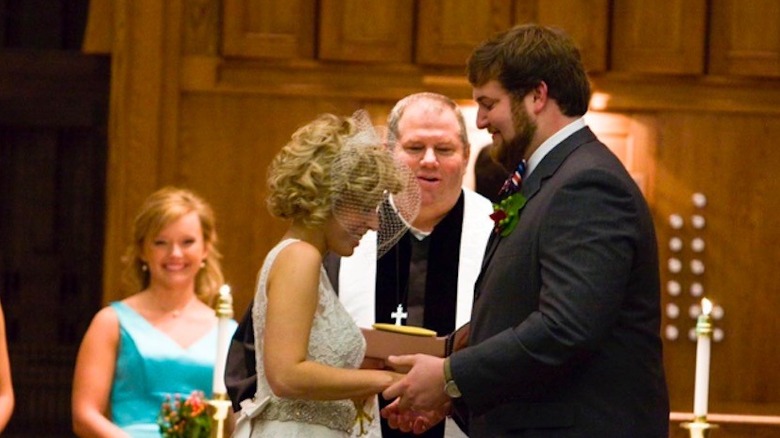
x=368, y=179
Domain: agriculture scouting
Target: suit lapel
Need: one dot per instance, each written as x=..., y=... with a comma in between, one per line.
x=533, y=183
x=553, y=160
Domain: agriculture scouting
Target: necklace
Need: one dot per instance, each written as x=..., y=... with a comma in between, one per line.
x=174, y=312
x=399, y=315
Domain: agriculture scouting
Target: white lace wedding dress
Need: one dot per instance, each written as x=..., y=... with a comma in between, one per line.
x=335, y=340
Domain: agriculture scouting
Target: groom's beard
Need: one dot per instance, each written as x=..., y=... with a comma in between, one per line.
x=510, y=152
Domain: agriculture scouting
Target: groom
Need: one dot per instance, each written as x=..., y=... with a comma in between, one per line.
x=564, y=335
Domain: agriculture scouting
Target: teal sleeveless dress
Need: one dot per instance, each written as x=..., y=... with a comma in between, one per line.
x=151, y=365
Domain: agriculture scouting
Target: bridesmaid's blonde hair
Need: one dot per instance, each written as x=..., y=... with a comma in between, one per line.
x=160, y=209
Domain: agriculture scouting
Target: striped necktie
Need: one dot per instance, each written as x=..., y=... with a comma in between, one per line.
x=514, y=181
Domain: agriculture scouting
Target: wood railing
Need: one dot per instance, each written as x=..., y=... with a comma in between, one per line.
x=766, y=420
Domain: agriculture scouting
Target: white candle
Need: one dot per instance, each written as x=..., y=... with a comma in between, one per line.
x=225, y=314
x=701, y=390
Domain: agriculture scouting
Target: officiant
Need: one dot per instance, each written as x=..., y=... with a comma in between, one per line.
x=427, y=278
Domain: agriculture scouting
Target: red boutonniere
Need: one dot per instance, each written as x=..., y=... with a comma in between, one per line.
x=506, y=213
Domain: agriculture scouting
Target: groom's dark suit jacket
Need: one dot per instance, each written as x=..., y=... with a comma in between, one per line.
x=564, y=337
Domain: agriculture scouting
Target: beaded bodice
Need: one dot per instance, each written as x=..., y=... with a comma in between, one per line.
x=334, y=340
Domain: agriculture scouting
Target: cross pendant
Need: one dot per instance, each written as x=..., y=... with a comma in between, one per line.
x=399, y=314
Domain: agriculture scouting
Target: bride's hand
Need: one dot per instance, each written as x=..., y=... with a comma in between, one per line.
x=413, y=421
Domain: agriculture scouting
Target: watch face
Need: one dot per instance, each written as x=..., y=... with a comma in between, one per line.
x=451, y=389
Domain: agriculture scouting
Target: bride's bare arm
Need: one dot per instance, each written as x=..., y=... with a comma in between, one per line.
x=292, y=292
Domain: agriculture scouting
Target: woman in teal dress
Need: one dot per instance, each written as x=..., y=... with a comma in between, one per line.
x=162, y=340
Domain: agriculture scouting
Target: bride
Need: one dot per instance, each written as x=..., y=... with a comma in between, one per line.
x=328, y=181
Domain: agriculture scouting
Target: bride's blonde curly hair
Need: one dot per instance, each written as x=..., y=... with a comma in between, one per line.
x=328, y=159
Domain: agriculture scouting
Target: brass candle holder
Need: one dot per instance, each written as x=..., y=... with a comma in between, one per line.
x=224, y=307
x=699, y=427
x=221, y=405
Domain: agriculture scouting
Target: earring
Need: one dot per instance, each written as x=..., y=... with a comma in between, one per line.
x=144, y=267
x=203, y=264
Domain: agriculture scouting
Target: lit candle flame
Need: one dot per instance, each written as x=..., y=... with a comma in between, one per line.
x=706, y=306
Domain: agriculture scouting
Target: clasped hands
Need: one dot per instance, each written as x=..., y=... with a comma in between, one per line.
x=419, y=401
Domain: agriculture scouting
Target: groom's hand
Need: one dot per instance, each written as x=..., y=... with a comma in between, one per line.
x=422, y=388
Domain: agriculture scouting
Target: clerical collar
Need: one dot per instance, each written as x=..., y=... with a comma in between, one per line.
x=418, y=234
x=550, y=144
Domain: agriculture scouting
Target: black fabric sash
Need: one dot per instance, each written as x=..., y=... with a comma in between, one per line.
x=441, y=288
x=441, y=285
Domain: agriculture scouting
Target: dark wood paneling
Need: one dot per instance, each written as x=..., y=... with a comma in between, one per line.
x=43, y=24
x=53, y=88
x=53, y=181
x=53, y=147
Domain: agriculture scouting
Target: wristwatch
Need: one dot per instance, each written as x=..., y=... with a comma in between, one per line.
x=450, y=387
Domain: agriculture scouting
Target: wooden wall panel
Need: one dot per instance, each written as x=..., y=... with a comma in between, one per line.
x=201, y=27
x=647, y=38
x=720, y=155
x=268, y=28
x=143, y=115
x=366, y=30
x=587, y=21
x=448, y=30
x=745, y=40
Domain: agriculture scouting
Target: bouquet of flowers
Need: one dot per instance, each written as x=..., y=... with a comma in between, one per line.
x=189, y=418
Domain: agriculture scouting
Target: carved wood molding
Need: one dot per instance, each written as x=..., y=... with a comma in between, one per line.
x=678, y=93
x=625, y=92
x=319, y=79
